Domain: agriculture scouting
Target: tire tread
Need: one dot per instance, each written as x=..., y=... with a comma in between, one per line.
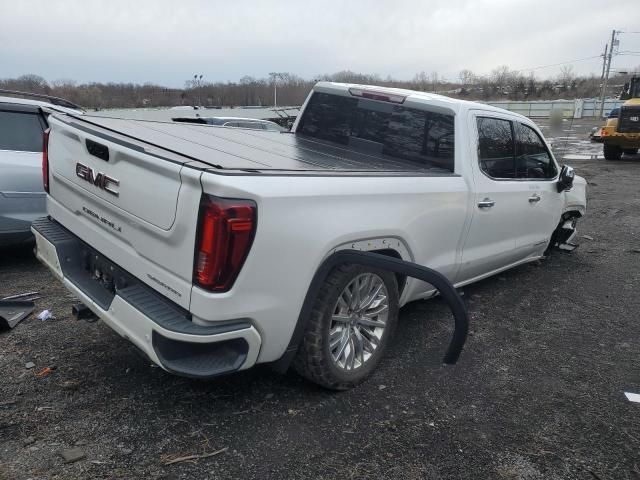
x=310, y=362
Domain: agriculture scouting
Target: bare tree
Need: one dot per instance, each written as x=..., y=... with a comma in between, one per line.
x=421, y=81
x=500, y=75
x=292, y=90
x=467, y=77
x=566, y=76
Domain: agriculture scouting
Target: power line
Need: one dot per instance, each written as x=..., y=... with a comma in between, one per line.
x=558, y=64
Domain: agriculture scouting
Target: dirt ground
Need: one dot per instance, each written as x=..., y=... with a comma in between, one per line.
x=537, y=394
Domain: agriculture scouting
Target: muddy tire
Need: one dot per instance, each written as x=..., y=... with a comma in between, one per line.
x=612, y=152
x=349, y=328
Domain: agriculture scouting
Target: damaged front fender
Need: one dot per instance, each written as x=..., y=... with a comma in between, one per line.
x=575, y=199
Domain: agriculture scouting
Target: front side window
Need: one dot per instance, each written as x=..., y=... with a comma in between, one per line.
x=533, y=160
x=496, y=147
x=20, y=131
x=418, y=136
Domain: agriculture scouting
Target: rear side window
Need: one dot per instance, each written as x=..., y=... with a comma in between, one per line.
x=496, y=147
x=532, y=157
x=20, y=131
x=421, y=137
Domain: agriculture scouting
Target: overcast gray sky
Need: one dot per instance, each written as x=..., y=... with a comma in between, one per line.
x=167, y=41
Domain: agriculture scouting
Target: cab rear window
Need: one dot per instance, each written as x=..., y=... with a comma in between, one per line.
x=421, y=137
x=20, y=131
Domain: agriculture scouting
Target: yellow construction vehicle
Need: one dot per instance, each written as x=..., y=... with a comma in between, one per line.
x=621, y=134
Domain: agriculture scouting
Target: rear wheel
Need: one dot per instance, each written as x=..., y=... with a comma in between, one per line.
x=612, y=152
x=350, y=326
x=630, y=151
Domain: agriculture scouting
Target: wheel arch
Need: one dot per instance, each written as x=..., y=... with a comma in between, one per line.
x=410, y=269
x=572, y=211
x=390, y=246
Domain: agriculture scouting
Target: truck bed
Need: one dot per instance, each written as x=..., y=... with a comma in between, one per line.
x=238, y=150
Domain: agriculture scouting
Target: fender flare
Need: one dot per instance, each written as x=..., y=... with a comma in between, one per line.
x=382, y=262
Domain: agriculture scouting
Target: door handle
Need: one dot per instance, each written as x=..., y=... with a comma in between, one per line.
x=534, y=198
x=486, y=203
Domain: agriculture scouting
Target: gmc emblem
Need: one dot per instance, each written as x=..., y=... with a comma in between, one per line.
x=100, y=180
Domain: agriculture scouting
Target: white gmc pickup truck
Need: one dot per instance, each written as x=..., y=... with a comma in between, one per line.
x=199, y=243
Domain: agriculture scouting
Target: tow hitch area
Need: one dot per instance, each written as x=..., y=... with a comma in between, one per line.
x=81, y=312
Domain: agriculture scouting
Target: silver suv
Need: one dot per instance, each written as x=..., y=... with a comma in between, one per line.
x=22, y=198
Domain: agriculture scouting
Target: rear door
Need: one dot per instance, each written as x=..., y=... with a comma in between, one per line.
x=497, y=215
x=22, y=198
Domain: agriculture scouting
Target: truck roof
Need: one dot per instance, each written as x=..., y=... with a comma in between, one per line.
x=430, y=101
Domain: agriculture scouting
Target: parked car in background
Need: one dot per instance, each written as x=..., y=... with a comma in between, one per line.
x=236, y=122
x=22, y=198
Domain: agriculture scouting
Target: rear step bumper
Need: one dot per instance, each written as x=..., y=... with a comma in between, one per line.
x=160, y=328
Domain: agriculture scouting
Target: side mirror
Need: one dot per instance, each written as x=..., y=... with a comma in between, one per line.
x=565, y=180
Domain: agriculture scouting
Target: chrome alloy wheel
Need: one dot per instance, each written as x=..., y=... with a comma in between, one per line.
x=358, y=321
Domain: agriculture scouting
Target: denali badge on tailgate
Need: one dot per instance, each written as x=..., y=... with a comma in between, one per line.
x=98, y=179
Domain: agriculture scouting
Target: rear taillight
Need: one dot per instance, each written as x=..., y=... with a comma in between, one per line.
x=225, y=232
x=45, y=160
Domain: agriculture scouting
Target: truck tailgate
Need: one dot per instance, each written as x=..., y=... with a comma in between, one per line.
x=139, y=184
x=138, y=210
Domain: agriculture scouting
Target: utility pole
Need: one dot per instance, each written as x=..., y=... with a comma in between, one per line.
x=604, y=63
x=606, y=75
x=275, y=76
x=197, y=84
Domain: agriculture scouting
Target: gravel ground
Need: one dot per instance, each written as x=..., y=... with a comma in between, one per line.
x=537, y=394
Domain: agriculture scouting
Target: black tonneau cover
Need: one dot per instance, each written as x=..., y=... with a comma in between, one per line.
x=243, y=150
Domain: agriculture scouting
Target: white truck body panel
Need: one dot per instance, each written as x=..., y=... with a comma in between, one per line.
x=303, y=216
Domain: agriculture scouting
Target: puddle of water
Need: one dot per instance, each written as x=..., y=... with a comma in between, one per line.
x=575, y=156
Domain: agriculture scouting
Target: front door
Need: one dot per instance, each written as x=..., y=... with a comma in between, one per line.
x=497, y=211
x=536, y=168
